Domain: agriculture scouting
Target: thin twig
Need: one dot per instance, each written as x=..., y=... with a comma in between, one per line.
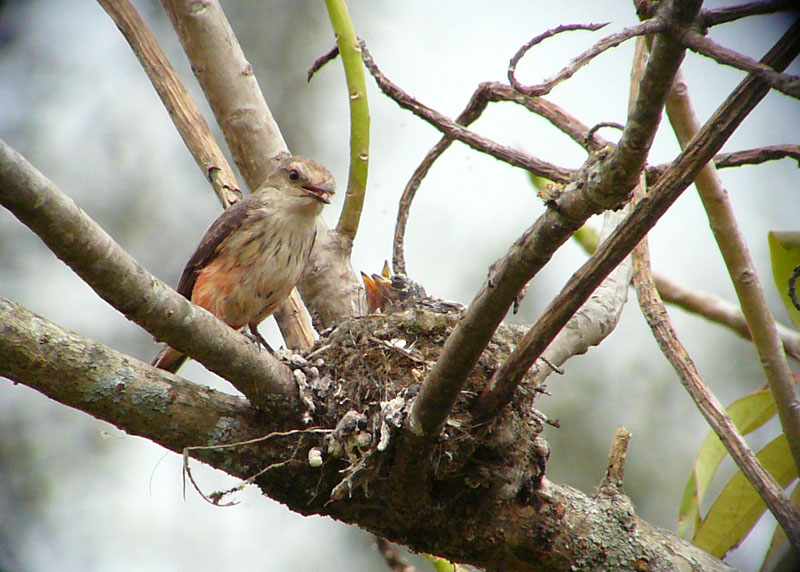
x=615, y=469
x=394, y=561
x=712, y=410
x=709, y=306
x=320, y=62
x=648, y=27
x=182, y=109
x=597, y=126
x=669, y=187
x=755, y=156
x=729, y=14
x=697, y=42
x=535, y=41
x=741, y=268
x=719, y=311
x=449, y=127
x=485, y=93
x=793, y=287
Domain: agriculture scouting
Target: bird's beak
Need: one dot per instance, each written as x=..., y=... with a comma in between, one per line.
x=319, y=192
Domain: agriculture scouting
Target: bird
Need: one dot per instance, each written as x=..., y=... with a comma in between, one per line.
x=252, y=256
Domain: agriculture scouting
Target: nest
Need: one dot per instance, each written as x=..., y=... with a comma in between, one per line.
x=363, y=375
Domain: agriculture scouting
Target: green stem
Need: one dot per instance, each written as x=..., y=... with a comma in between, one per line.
x=350, y=53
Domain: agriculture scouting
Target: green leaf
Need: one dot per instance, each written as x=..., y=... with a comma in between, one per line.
x=784, y=252
x=779, y=536
x=738, y=507
x=748, y=414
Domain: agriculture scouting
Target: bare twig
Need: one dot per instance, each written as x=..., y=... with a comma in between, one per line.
x=320, y=62
x=697, y=42
x=706, y=305
x=458, y=132
x=742, y=271
x=668, y=188
x=597, y=126
x=648, y=27
x=712, y=410
x=394, y=561
x=793, y=287
x=731, y=13
x=615, y=470
x=755, y=156
x=183, y=111
x=720, y=311
x=535, y=41
x=487, y=92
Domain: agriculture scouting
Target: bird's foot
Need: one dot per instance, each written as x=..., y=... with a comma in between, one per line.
x=255, y=336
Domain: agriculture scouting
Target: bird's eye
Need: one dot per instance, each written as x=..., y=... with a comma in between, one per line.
x=294, y=174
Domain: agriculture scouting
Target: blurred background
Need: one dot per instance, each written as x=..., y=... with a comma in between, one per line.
x=78, y=494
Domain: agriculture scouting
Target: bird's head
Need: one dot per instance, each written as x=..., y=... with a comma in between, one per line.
x=305, y=183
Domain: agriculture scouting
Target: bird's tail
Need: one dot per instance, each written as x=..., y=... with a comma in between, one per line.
x=169, y=359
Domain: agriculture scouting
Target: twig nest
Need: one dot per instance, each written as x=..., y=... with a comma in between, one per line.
x=367, y=374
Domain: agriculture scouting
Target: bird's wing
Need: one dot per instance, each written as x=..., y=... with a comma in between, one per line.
x=220, y=229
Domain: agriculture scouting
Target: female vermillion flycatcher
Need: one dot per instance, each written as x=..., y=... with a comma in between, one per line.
x=252, y=256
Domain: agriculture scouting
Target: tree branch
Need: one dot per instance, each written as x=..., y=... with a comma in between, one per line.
x=673, y=182
x=183, y=111
x=720, y=311
x=697, y=42
x=653, y=26
x=117, y=278
x=742, y=272
x=485, y=93
x=755, y=156
x=453, y=129
x=603, y=182
x=131, y=395
x=729, y=14
x=712, y=410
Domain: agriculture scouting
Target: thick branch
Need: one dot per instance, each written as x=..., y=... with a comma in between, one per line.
x=680, y=175
x=133, y=396
x=117, y=278
x=506, y=534
x=603, y=183
x=743, y=275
